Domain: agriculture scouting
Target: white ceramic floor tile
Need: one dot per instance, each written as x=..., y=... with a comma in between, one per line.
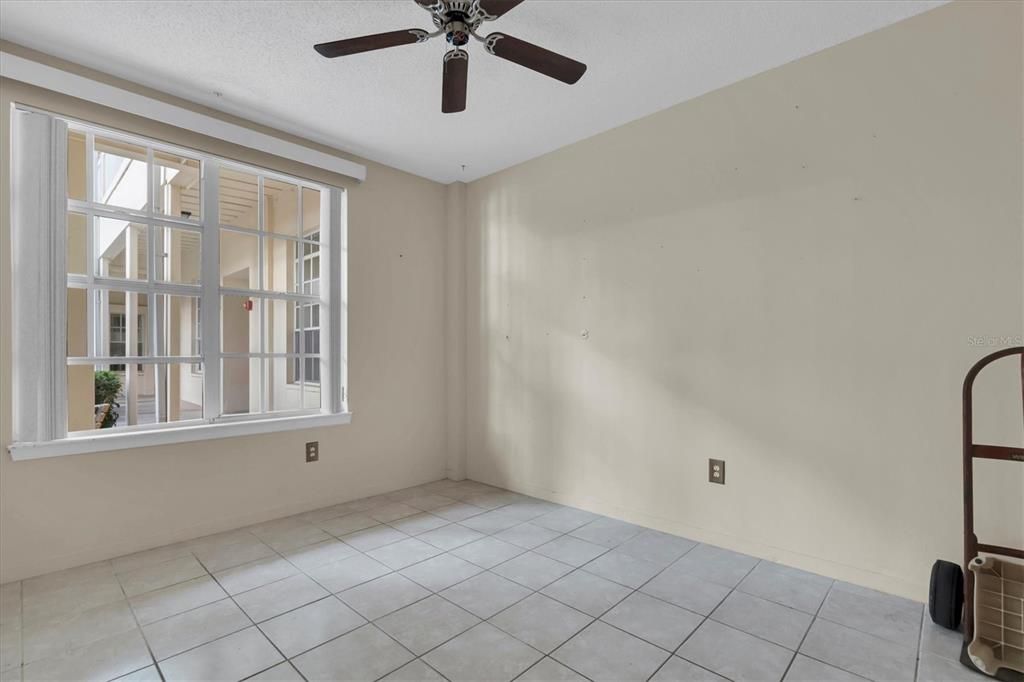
x=527, y=535
x=482, y=653
x=937, y=640
x=607, y=532
x=10, y=644
x=234, y=657
x=485, y=594
x=372, y=538
x=429, y=502
x=550, y=670
x=686, y=591
x=492, y=522
x=532, y=570
x=220, y=557
x=311, y=625
x=363, y=654
x=451, y=536
x=404, y=553
x=350, y=523
x=605, y=654
x=149, y=557
x=105, y=659
x=679, y=670
x=230, y=537
x=716, y=565
x=392, y=512
x=148, y=674
x=419, y=523
x=294, y=538
x=154, y=606
x=282, y=672
x=190, y=629
x=255, y=574
x=570, y=550
x=805, y=669
x=382, y=596
x=414, y=671
x=53, y=637
x=441, y=572
x=541, y=622
x=787, y=586
x=458, y=511
x=932, y=668
x=487, y=552
x=623, y=568
x=565, y=520
x=765, y=619
x=426, y=624
x=276, y=598
x=858, y=652
x=734, y=654
x=530, y=508
x=881, y=615
x=656, y=547
x=339, y=576
x=653, y=620
x=311, y=556
x=80, y=576
x=586, y=592
x=149, y=578
x=41, y=605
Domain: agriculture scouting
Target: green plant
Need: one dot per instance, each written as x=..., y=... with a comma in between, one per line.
x=108, y=386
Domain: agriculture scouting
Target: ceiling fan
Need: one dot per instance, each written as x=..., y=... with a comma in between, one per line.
x=459, y=20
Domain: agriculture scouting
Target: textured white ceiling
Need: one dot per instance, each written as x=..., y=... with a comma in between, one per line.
x=643, y=56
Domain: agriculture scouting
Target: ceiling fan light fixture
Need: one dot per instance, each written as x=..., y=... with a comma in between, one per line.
x=458, y=20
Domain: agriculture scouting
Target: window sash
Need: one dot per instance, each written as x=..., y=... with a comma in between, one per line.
x=42, y=151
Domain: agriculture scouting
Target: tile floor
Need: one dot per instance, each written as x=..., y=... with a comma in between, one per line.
x=459, y=581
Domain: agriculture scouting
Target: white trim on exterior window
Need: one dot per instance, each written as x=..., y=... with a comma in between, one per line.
x=40, y=207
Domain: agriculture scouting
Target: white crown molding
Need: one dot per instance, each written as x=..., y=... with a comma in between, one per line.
x=51, y=78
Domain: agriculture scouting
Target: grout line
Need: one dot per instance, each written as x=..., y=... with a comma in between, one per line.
x=138, y=627
x=244, y=612
x=808, y=630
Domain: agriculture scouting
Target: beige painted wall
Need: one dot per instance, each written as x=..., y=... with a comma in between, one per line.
x=784, y=273
x=65, y=511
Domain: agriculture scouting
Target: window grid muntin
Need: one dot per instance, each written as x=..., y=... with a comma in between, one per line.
x=262, y=233
x=151, y=218
x=303, y=311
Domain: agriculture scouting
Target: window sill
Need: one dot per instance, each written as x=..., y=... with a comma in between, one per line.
x=78, y=445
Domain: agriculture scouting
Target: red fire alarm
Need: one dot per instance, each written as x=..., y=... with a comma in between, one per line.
x=247, y=305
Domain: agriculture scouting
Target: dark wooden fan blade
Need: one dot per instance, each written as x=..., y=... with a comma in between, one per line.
x=453, y=88
x=378, y=41
x=492, y=9
x=533, y=57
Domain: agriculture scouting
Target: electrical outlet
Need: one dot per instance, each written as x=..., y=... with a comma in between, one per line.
x=313, y=451
x=716, y=471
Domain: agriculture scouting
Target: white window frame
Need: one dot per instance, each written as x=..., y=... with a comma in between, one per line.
x=39, y=212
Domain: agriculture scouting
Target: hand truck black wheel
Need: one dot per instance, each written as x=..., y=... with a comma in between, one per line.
x=946, y=594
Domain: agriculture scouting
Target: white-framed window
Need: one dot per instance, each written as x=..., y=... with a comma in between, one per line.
x=187, y=290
